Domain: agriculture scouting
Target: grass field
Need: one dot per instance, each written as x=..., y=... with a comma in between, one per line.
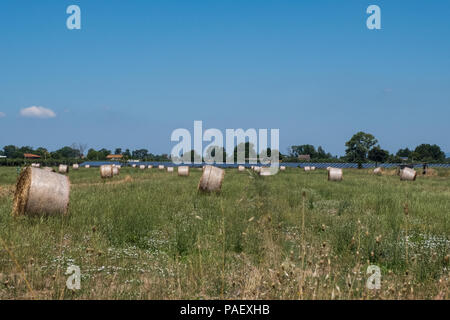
x=150, y=235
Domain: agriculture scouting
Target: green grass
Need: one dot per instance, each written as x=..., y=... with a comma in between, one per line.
x=150, y=235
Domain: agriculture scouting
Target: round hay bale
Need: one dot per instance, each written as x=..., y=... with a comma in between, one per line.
x=116, y=171
x=335, y=174
x=106, y=171
x=75, y=166
x=40, y=192
x=241, y=168
x=408, y=174
x=211, y=179
x=265, y=171
x=63, y=168
x=307, y=168
x=377, y=170
x=312, y=168
x=161, y=167
x=87, y=166
x=142, y=167
x=169, y=169
x=257, y=169
x=183, y=171
x=150, y=166
x=133, y=165
x=282, y=168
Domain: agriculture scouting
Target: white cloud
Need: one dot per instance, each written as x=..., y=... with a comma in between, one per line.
x=37, y=112
x=2, y=115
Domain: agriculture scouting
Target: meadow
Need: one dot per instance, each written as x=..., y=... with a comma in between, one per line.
x=149, y=234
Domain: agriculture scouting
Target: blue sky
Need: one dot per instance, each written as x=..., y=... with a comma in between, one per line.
x=137, y=70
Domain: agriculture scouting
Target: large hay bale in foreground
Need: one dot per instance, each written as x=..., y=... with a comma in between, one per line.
x=40, y=192
x=335, y=174
x=241, y=168
x=183, y=171
x=106, y=171
x=63, y=168
x=408, y=174
x=116, y=170
x=211, y=179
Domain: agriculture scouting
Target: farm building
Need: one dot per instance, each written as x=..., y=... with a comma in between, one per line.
x=113, y=157
x=31, y=156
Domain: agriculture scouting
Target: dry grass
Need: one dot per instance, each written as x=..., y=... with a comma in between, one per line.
x=149, y=235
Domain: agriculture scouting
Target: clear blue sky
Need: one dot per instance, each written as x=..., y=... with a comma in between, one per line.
x=137, y=70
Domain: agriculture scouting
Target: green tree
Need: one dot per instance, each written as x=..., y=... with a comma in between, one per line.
x=404, y=153
x=378, y=155
x=304, y=149
x=358, y=147
x=427, y=152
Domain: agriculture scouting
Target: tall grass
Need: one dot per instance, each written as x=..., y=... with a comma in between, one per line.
x=148, y=234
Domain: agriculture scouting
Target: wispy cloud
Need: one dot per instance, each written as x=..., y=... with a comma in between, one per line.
x=2, y=115
x=37, y=112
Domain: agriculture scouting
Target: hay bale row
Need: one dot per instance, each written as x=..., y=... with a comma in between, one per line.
x=75, y=166
x=265, y=171
x=282, y=168
x=183, y=171
x=408, y=174
x=36, y=165
x=150, y=166
x=169, y=169
x=241, y=168
x=63, y=168
x=106, y=171
x=41, y=192
x=211, y=179
x=335, y=174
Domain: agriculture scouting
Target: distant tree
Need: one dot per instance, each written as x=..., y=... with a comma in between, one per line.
x=140, y=153
x=118, y=151
x=12, y=151
x=303, y=150
x=247, y=148
x=378, y=155
x=321, y=154
x=127, y=153
x=427, y=152
x=66, y=153
x=41, y=151
x=358, y=147
x=103, y=153
x=404, y=153
x=215, y=153
x=92, y=154
x=191, y=156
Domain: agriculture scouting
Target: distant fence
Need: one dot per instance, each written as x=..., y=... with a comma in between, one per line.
x=287, y=164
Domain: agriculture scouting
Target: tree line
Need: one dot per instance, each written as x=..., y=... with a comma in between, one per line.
x=361, y=148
